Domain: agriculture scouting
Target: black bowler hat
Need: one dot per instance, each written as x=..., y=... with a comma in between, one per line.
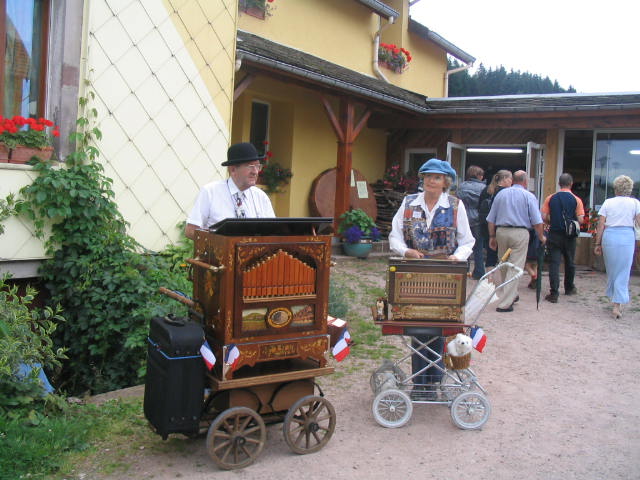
x=241, y=153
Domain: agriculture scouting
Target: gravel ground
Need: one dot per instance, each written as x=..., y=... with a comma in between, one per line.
x=560, y=379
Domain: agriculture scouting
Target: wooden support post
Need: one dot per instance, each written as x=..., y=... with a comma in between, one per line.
x=346, y=132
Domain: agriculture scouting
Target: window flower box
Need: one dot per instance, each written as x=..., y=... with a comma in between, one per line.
x=256, y=8
x=23, y=138
x=394, y=58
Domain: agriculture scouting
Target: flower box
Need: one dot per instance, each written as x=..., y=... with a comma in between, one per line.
x=4, y=153
x=394, y=58
x=22, y=154
x=256, y=8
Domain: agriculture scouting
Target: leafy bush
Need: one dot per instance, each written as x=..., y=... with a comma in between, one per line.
x=25, y=339
x=355, y=224
x=107, y=289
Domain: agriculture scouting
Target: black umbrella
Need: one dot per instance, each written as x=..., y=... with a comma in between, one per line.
x=540, y=252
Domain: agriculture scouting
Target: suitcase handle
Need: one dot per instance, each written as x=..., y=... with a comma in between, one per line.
x=171, y=319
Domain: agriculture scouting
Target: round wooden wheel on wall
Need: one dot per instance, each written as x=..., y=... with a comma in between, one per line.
x=323, y=194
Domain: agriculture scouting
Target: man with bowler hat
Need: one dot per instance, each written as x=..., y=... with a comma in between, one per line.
x=235, y=197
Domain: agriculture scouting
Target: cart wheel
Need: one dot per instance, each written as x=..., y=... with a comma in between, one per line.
x=470, y=410
x=236, y=437
x=309, y=424
x=454, y=382
x=392, y=408
x=386, y=375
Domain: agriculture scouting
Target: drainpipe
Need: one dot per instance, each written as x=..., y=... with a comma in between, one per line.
x=451, y=72
x=376, y=46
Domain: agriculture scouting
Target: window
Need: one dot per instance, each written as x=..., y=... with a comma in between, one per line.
x=414, y=158
x=617, y=153
x=23, y=39
x=259, y=126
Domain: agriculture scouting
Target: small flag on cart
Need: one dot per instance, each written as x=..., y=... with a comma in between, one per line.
x=207, y=355
x=479, y=338
x=342, y=347
x=232, y=356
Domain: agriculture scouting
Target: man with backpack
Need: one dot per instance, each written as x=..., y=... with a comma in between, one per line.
x=559, y=211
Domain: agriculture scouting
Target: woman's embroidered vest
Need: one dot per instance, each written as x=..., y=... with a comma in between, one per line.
x=438, y=240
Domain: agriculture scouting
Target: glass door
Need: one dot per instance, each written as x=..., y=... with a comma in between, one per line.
x=535, y=168
x=456, y=157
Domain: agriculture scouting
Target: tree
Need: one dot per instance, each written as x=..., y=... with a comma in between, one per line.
x=500, y=82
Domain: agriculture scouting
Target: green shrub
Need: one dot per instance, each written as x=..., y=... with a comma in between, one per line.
x=25, y=338
x=108, y=290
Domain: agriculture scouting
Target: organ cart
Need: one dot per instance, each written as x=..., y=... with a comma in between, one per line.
x=426, y=304
x=260, y=299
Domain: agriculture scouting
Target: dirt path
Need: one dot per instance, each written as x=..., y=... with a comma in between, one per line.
x=562, y=385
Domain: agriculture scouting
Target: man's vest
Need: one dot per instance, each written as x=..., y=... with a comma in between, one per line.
x=436, y=240
x=561, y=203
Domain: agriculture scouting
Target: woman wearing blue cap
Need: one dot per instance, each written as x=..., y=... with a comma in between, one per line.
x=432, y=224
x=424, y=218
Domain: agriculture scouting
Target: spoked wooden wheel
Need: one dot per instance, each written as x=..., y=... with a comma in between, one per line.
x=236, y=437
x=309, y=424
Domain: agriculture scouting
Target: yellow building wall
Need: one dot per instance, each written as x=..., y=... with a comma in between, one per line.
x=340, y=31
x=162, y=71
x=425, y=73
x=343, y=31
x=18, y=241
x=301, y=138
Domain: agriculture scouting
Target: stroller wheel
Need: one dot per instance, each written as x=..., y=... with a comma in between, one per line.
x=387, y=375
x=470, y=410
x=392, y=408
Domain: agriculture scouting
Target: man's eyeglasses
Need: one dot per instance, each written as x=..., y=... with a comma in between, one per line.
x=256, y=167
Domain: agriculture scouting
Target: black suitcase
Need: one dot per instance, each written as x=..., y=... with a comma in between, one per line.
x=174, y=388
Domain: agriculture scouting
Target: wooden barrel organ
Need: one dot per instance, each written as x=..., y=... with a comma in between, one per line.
x=262, y=288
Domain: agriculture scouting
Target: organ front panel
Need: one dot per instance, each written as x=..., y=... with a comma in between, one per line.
x=426, y=289
x=267, y=295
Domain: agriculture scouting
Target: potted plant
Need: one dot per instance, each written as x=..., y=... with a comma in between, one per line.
x=274, y=176
x=393, y=57
x=358, y=231
x=23, y=138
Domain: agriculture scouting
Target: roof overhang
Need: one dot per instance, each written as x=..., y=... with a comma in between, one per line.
x=288, y=63
x=447, y=46
x=380, y=8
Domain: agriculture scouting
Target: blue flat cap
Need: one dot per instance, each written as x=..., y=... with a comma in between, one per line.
x=437, y=166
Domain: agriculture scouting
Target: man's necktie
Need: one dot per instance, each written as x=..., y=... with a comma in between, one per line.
x=240, y=211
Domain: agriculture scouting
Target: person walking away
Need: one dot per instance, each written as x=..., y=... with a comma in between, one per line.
x=501, y=179
x=615, y=240
x=420, y=220
x=513, y=212
x=469, y=192
x=556, y=209
x=235, y=197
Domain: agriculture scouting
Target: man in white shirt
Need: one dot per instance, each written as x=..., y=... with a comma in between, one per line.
x=235, y=197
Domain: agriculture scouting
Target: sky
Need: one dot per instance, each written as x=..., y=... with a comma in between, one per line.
x=591, y=45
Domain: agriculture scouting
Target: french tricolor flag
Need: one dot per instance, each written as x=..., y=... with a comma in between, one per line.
x=342, y=347
x=207, y=355
x=232, y=356
x=479, y=338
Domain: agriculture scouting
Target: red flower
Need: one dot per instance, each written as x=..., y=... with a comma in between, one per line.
x=56, y=133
